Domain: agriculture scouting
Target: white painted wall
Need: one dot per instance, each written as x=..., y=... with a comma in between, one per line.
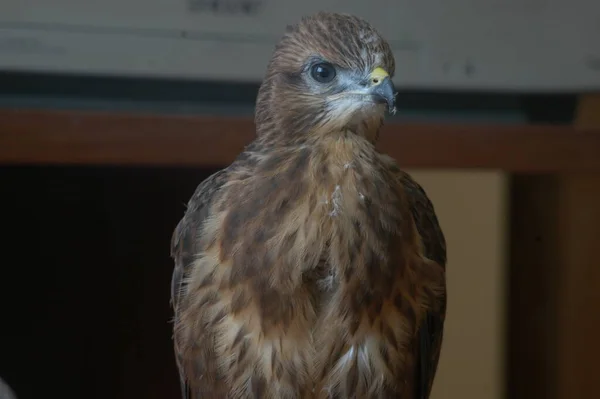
x=479, y=44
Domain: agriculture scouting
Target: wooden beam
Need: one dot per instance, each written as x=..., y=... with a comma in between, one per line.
x=83, y=137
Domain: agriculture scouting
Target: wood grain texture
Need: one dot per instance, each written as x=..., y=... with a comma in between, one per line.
x=118, y=138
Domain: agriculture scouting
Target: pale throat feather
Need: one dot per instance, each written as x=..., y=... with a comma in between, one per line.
x=340, y=154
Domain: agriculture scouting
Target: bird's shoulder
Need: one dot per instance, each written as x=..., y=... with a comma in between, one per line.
x=183, y=239
x=199, y=205
x=426, y=220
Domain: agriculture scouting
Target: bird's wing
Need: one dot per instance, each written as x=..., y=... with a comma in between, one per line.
x=434, y=247
x=184, y=249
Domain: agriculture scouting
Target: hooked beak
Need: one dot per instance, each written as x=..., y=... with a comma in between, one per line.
x=382, y=89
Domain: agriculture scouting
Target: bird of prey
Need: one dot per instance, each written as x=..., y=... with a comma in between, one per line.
x=312, y=266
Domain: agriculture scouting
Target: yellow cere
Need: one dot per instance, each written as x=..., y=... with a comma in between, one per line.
x=378, y=75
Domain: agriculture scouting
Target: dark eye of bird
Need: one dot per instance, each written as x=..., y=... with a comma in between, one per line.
x=322, y=72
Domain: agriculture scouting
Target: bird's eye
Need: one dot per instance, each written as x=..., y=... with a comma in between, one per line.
x=322, y=72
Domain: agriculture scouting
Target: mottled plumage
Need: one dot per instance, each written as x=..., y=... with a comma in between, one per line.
x=312, y=267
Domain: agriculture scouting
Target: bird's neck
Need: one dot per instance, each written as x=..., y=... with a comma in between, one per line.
x=331, y=158
x=344, y=147
x=348, y=139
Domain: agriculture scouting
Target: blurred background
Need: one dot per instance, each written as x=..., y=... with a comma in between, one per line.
x=112, y=112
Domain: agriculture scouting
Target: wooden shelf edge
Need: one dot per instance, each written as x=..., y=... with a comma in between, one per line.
x=117, y=138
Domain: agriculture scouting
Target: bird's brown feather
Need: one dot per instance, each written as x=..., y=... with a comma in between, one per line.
x=306, y=269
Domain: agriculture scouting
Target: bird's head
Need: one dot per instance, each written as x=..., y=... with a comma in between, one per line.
x=329, y=73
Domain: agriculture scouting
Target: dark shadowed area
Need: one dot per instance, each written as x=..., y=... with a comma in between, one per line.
x=84, y=287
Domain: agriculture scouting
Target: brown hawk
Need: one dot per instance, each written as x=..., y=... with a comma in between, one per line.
x=312, y=266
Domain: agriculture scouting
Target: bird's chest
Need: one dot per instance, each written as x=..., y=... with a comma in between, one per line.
x=347, y=182
x=351, y=198
x=352, y=205
x=342, y=197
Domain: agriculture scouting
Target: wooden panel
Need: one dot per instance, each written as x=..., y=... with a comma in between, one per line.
x=579, y=289
x=579, y=293
x=555, y=275
x=554, y=287
x=70, y=137
x=532, y=301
